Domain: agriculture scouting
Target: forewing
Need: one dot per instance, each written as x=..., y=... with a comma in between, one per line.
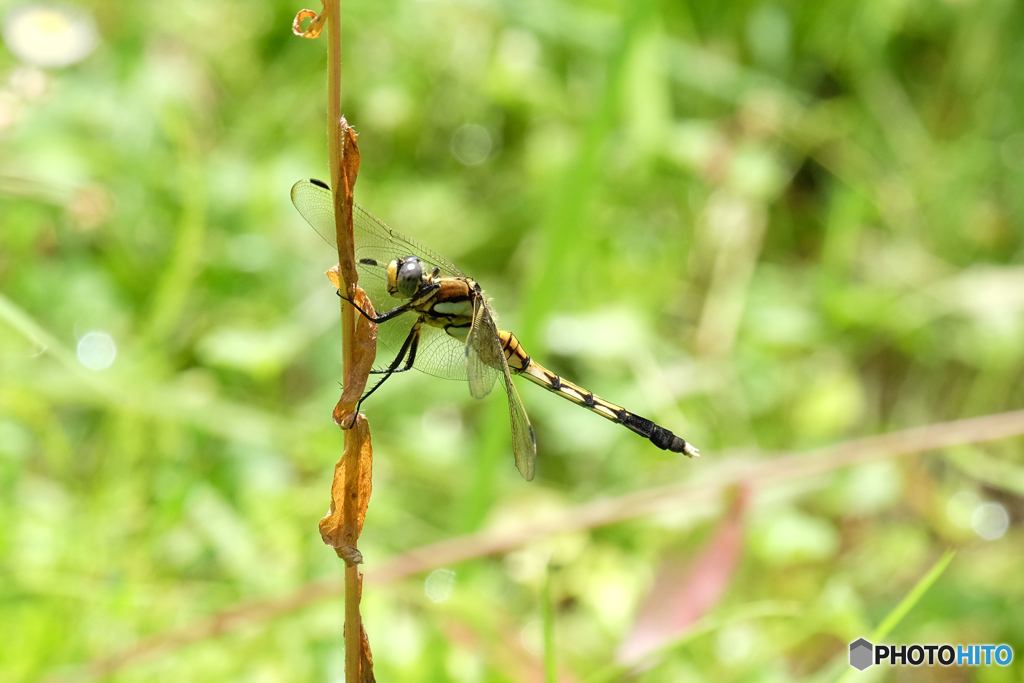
x=314, y=202
x=375, y=240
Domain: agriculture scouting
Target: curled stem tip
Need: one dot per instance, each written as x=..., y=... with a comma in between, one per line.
x=316, y=25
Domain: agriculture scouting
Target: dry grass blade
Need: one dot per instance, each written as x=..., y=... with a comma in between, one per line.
x=597, y=513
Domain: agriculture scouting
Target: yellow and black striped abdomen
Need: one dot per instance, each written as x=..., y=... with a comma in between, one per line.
x=520, y=363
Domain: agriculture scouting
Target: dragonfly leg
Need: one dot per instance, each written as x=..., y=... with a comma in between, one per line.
x=409, y=346
x=394, y=312
x=408, y=363
x=383, y=317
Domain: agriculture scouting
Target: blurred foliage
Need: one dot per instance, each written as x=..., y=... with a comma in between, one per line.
x=766, y=226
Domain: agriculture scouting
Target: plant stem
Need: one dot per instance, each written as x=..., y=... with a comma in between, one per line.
x=353, y=623
x=336, y=150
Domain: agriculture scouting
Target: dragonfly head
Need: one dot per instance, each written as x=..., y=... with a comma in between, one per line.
x=405, y=277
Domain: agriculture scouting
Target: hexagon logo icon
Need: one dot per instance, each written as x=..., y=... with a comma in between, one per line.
x=861, y=654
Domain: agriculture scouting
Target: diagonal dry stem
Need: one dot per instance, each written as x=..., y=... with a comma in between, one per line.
x=758, y=475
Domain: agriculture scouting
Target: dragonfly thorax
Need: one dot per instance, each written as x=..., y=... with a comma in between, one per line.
x=405, y=277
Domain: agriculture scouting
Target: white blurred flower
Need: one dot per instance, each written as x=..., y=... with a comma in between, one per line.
x=49, y=35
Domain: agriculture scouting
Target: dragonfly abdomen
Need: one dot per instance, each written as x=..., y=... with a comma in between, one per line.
x=520, y=363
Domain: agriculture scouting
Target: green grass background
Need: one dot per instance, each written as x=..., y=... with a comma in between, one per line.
x=767, y=226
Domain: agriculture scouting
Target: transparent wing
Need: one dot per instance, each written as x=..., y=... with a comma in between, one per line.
x=375, y=241
x=524, y=443
x=485, y=360
x=439, y=354
x=377, y=245
x=484, y=357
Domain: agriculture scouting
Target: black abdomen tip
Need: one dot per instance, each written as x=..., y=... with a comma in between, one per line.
x=666, y=440
x=677, y=445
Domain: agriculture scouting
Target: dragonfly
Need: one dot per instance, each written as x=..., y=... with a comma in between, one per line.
x=438, y=321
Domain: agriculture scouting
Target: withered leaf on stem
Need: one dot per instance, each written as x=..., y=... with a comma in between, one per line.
x=315, y=26
x=343, y=203
x=334, y=276
x=338, y=529
x=365, y=656
x=364, y=352
x=366, y=659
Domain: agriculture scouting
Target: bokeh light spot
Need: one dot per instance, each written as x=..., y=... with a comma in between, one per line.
x=97, y=350
x=438, y=586
x=990, y=521
x=471, y=144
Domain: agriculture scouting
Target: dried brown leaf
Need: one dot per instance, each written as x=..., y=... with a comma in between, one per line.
x=343, y=203
x=334, y=275
x=353, y=474
x=315, y=26
x=365, y=659
x=364, y=352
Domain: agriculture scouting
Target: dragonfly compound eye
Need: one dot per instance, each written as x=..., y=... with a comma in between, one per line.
x=410, y=277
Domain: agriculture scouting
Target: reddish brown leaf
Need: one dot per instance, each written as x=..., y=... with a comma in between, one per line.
x=681, y=595
x=343, y=524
